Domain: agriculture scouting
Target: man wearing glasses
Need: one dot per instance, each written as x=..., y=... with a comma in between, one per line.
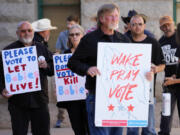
x=29, y=107
x=137, y=26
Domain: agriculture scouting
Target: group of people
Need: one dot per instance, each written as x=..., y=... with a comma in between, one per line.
x=33, y=107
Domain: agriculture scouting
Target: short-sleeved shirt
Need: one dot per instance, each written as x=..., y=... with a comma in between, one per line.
x=61, y=43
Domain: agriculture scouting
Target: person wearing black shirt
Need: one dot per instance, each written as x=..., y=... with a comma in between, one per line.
x=169, y=48
x=77, y=108
x=138, y=36
x=29, y=107
x=84, y=60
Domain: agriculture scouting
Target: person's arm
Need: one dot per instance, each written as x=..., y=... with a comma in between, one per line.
x=78, y=62
x=171, y=81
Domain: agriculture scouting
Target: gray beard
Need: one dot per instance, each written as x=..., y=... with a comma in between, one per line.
x=26, y=40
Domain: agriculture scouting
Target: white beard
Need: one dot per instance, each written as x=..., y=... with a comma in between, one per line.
x=26, y=40
x=113, y=26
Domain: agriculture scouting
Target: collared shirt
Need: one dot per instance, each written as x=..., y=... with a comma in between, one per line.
x=85, y=55
x=61, y=43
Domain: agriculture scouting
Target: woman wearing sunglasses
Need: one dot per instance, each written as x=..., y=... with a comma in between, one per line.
x=76, y=109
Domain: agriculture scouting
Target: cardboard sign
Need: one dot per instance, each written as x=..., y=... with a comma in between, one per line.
x=69, y=86
x=122, y=90
x=21, y=70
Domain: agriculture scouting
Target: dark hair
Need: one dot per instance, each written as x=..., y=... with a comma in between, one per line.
x=73, y=18
x=178, y=34
x=103, y=9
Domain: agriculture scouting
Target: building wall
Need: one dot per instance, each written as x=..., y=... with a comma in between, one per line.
x=152, y=8
x=12, y=12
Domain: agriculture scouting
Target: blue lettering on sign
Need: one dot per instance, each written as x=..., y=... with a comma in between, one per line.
x=30, y=75
x=81, y=90
x=60, y=90
x=61, y=59
x=71, y=90
x=8, y=78
x=17, y=52
x=20, y=77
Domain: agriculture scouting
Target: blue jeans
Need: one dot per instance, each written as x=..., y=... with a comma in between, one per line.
x=150, y=130
x=90, y=106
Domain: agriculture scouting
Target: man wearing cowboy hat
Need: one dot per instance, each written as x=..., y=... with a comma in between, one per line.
x=42, y=29
x=127, y=26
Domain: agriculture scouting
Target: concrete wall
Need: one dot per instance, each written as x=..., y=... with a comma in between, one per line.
x=152, y=8
x=12, y=12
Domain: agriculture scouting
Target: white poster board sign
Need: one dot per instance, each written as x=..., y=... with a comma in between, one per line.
x=122, y=91
x=69, y=86
x=21, y=70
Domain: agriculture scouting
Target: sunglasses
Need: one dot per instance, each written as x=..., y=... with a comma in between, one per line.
x=74, y=34
x=137, y=24
x=28, y=30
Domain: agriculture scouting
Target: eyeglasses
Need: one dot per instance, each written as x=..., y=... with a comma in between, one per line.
x=137, y=24
x=74, y=34
x=28, y=30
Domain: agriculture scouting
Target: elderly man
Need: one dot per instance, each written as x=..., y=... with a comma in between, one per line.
x=138, y=25
x=29, y=107
x=84, y=60
x=42, y=30
x=169, y=48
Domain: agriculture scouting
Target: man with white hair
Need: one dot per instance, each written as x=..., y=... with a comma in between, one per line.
x=29, y=107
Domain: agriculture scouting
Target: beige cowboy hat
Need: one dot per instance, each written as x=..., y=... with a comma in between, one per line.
x=42, y=25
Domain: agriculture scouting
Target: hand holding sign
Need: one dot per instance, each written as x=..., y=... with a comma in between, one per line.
x=6, y=94
x=93, y=71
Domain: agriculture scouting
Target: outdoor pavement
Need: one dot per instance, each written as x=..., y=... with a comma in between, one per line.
x=5, y=128
x=68, y=131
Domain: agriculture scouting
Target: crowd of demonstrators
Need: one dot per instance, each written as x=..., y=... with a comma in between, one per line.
x=169, y=48
x=127, y=26
x=137, y=27
x=33, y=107
x=76, y=109
x=29, y=107
x=61, y=43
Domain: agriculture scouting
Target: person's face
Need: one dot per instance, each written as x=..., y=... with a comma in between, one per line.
x=75, y=36
x=137, y=25
x=25, y=33
x=168, y=29
x=70, y=23
x=110, y=20
x=45, y=35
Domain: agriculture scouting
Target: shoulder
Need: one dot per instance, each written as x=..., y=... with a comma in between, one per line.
x=122, y=37
x=13, y=45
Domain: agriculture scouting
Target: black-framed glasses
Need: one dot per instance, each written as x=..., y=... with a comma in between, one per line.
x=74, y=34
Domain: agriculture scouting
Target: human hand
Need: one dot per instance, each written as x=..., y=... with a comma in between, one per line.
x=149, y=75
x=6, y=94
x=93, y=71
x=168, y=81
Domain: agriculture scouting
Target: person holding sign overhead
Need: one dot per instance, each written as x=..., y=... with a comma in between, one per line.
x=76, y=108
x=84, y=60
x=28, y=106
x=137, y=26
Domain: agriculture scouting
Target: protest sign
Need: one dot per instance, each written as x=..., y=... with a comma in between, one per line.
x=69, y=86
x=21, y=70
x=122, y=90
